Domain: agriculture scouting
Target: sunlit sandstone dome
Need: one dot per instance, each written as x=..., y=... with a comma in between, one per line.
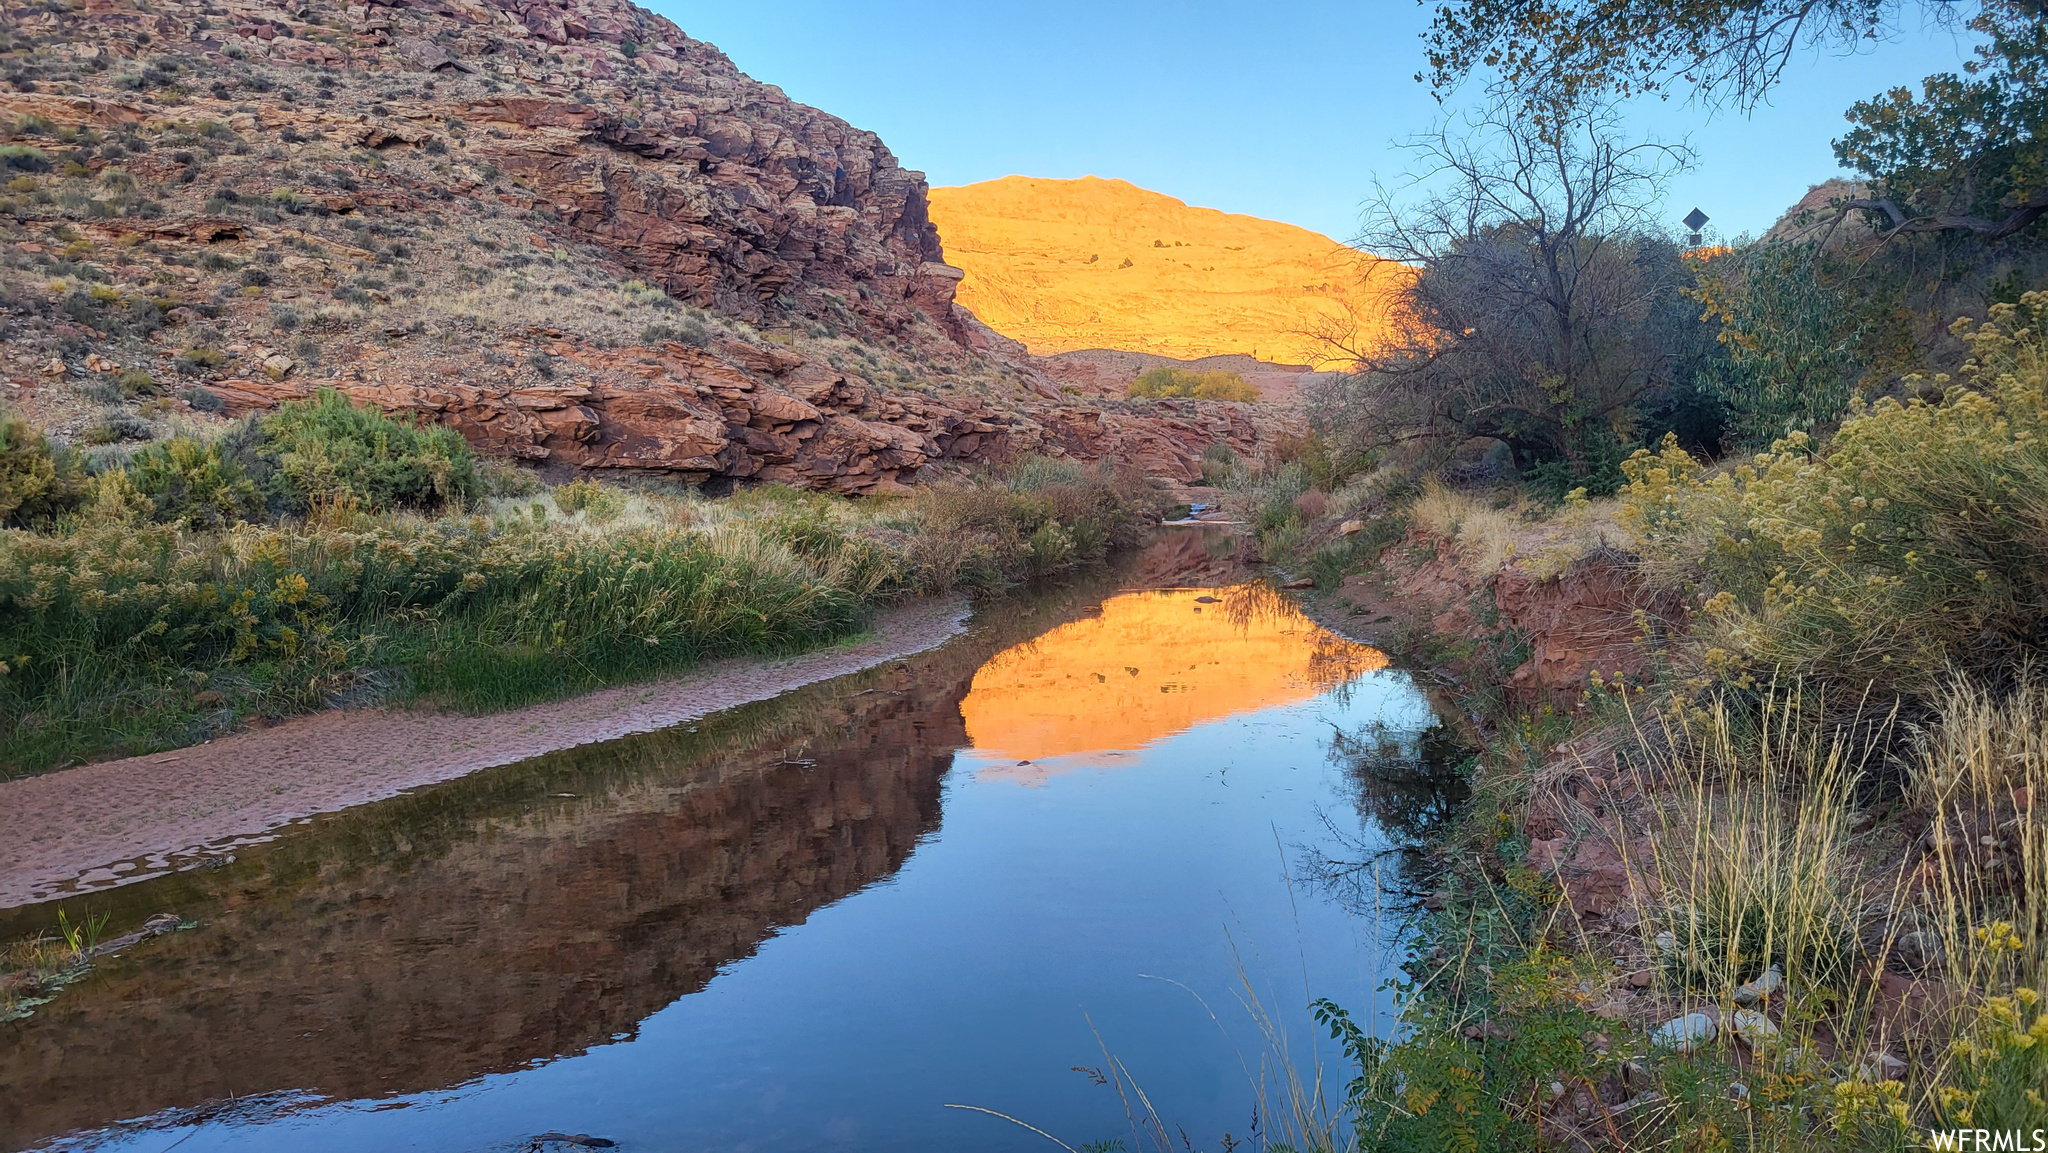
x=1063, y=265
x=1150, y=665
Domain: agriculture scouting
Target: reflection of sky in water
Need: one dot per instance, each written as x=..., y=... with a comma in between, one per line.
x=1033, y=922
x=1148, y=665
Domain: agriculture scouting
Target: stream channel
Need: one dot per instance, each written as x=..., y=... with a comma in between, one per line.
x=1096, y=826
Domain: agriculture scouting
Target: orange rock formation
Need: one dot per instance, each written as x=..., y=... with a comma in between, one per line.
x=1150, y=665
x=1063, y=265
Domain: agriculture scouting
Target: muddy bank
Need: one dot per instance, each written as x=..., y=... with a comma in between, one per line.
x=1535, y=638
x=119, y=821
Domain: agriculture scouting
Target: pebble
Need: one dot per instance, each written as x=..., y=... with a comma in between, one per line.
x=1684, y=1033
x=1761, y=989
x=1752, y=1026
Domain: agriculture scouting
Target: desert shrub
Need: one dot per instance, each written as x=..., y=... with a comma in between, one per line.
x=1217, y=462
x=329, y=448
x=36, y=481
x=24, y=158
x=196, y=483
x=1914, y=541
x=1217, y=384
x=114, y=427
x=503, y=478
x=200, y=359
x=599, y=503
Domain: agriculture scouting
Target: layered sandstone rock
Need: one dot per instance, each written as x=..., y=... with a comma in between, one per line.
x=773, y=417
x=470, y=210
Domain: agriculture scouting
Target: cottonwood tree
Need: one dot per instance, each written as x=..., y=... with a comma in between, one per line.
x=1969, y=153
x=1546, y=308
x=1967, y=156
x=1569, y=53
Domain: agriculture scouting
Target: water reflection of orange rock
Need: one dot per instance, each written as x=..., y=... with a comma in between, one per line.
x=1150, y=665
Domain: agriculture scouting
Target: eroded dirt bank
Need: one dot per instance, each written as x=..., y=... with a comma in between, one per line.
x=117, y=821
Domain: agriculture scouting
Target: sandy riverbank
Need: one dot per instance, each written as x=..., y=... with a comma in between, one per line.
x=114, y=822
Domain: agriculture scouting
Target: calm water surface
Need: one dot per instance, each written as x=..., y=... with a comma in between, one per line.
x=809, y=924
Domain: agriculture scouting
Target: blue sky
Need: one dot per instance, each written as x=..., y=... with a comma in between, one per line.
x=1285, y=109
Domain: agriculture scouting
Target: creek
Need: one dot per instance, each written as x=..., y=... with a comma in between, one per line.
x=1105, y=824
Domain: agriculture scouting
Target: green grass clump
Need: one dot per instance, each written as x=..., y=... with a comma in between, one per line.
x=1217, y=384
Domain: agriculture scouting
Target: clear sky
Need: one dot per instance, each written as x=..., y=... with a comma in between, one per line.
x=1285, y=109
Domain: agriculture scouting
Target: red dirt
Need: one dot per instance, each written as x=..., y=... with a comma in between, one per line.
x=122, y=821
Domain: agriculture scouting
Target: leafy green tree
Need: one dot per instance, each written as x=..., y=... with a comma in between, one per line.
x=1793, y=336
x=1970, y=152
x=1571, y=53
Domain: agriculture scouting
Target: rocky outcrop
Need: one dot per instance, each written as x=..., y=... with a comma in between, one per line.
x=565, y=228
x=766, y=415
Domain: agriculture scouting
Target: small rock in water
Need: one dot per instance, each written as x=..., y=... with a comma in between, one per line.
x=1761, y=989
x=1206, y=600
x=1752, y=1026
x=160, y=924
x=1684, y=1033
x=583, y=1140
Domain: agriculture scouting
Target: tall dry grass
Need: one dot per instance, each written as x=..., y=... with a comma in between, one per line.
x=1914, y=968
x=120, y=634
x=1751, y=860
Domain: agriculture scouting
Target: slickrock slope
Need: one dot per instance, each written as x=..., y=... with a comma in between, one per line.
x=1064, y=265
x=567, y=229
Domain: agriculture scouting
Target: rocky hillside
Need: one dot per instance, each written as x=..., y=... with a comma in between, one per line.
x=1065, y=265
x=569, y=230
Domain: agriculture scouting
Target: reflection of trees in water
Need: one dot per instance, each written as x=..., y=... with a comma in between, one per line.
x=1410, y=788
x=1245, y=605
x=1334, y=661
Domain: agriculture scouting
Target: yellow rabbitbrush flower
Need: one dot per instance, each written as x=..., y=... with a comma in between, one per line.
x=1916, y=538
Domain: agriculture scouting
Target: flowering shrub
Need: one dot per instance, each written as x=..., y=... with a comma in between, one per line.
x=1917, y=540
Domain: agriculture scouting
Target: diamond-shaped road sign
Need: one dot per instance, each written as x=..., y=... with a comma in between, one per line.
x=1695, y=219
